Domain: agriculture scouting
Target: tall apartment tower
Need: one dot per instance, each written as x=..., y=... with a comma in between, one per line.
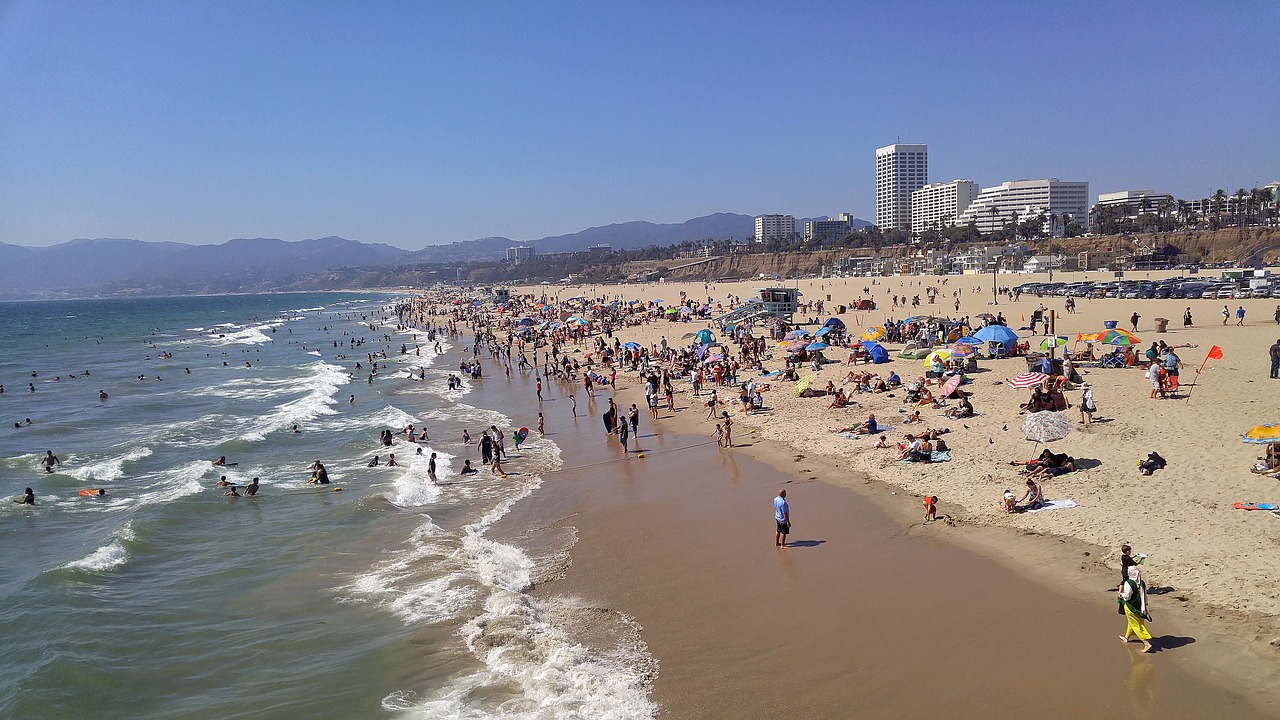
x=900, y=170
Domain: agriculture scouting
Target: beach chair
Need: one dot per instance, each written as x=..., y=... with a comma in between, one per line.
x=997, y=350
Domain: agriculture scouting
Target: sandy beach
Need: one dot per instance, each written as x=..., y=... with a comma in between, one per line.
x=1208, y=561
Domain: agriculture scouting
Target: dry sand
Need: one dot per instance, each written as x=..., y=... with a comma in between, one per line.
x=1214, y=560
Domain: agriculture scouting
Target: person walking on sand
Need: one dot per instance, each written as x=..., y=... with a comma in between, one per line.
x=1226, y=314
x=1275, y=360
x=1240, y=316
x=782, y=516
x=1133, y=604
x=1133, y=320
x=1186, y=318
x=1087, y=408
x=1277, y=322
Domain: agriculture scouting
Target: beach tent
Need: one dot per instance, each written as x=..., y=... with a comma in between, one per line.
x=833, y=322
x=704, y=336
x=876, y=350
x=998, y=334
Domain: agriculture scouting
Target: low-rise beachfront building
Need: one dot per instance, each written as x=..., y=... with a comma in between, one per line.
x=775, y=227
x=940, y=205
x=1136, y=202
x=996, y=206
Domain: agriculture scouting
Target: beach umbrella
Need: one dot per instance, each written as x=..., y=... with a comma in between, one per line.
x=797, y=345
x=686, y=310
x=833, y=322
x=1263, y=434
x=704, y=336
x=672, y=311
x=658, y=300
x=939, y=355
x=713, y=358
x=1118, y=337
x=822, y=331
x=527, y=321
x=1053, y=341
x=803, y=383
x=1045, y=427
x=1028, y=379
x=817, y=346
x=687, y=335
x=999, y=334
x=875, y=332
x=797, y=334
x=557, y=325
x=631, y=345
x=951, y=384
x=961, y=350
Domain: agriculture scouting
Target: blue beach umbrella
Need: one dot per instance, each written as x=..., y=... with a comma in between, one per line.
x=999, y=334
x=822, y=331
x=704, y=336
x=631, y=345
x=817, y=346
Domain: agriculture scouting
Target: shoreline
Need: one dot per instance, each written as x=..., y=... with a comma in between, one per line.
x=1243, y=645
x=621, y=564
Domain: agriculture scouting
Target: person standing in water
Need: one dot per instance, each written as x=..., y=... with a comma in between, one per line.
x=782, y=516
x=1133, y=603
x=431, y=468
x=49, y=461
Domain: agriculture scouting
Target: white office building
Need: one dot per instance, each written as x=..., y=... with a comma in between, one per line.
x=996, y=206
x=940, y=205
x=775, y=227
x=519, y=254
x=900, y=170
x=1136, y=202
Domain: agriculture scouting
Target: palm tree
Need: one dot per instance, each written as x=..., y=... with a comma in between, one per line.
x=1219, y=202
x=1053, y=224
x=1240, y=196
x=994, y=212
x=1181, y=212
x=1163, y=208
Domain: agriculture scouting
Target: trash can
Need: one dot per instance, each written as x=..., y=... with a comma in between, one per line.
x=1162, y=325
x=1110, y=324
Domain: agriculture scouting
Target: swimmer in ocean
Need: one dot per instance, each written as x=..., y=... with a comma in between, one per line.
x=224, y=482
x=231, y=492
x=49, y=461
x=102, y=394
x=28, y=498
x=252, y=489
x=467, y=469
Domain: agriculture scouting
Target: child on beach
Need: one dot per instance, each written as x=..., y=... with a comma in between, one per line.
x=1010, y=502
x=541, y=425
x=718, y=435
x=930, y=508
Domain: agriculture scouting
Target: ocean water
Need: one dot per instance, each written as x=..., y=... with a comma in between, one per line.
x=394, y=597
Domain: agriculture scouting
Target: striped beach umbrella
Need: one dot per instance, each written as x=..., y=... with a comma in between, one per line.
x=873, y=333
x=1028, y=379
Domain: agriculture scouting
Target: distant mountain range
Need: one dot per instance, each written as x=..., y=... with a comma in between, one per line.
x=90, y=267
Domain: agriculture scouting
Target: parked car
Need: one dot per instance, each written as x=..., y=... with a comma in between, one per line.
x=1226, y=293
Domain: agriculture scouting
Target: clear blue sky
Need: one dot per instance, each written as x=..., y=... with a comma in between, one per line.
x=415, y=123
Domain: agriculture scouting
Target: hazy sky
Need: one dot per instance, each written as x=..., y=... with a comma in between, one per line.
x=415, y=123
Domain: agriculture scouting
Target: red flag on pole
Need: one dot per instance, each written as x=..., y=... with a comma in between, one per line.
x=1215, y=353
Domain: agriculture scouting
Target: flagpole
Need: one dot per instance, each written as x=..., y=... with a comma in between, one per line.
x=1211, y=354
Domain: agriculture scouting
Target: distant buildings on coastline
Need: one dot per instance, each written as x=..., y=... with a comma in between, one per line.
x=908, y=206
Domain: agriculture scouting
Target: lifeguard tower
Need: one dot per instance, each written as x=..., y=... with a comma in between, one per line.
x=780, y=301
x=768, y=303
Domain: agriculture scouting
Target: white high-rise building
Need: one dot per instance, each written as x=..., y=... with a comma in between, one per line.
x=775, y=227
x=900, y=170
x=941, y=204
x=995, y=206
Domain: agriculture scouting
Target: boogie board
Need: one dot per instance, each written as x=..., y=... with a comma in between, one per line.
x=1255, y=506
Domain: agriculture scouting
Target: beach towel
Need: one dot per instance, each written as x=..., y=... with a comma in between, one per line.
x=1055, y=505
x=1254, y=506
x=940, y=456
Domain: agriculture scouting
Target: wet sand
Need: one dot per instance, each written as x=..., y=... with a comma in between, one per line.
x=861, y=616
